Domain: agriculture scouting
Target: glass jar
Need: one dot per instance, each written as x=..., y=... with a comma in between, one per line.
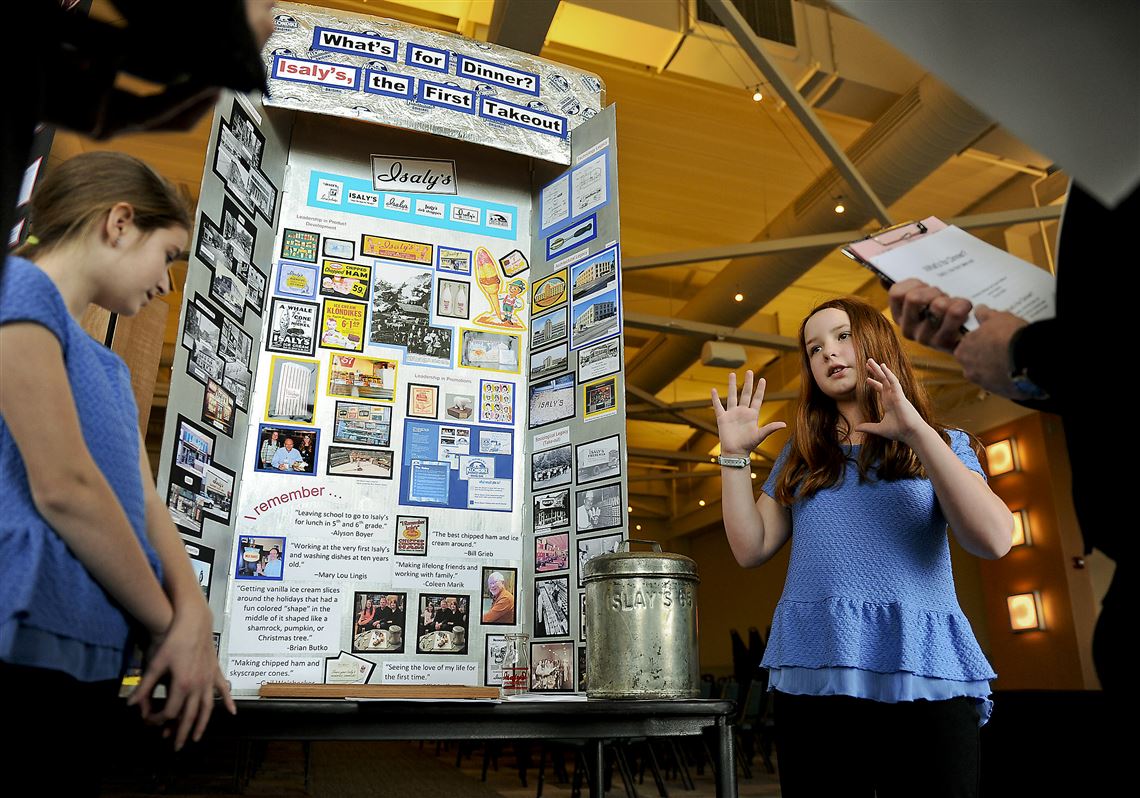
x=516, y=664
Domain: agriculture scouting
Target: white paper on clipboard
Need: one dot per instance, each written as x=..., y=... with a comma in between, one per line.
x=956, y=262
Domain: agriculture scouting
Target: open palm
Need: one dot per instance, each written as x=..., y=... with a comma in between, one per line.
x=738, y=419
x=900, y=420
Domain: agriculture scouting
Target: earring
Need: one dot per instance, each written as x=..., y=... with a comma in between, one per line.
x=117, y=241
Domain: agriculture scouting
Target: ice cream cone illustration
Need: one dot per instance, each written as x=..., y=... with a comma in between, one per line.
x=504, y=304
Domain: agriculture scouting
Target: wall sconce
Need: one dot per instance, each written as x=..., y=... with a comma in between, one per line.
x=1022, y=535
x=1001, y=457
x=1025, y=613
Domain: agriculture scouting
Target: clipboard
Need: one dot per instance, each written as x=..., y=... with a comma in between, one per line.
x=959, y=264
x=887, y=239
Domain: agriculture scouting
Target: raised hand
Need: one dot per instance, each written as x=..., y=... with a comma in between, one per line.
x=900, y=420
x=738, y=419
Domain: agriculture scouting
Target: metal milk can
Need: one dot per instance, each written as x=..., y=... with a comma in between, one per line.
x=641, y=625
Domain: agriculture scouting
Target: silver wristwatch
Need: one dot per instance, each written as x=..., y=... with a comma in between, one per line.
x=733, y=461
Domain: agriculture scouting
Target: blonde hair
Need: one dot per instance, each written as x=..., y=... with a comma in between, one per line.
x=78, y=193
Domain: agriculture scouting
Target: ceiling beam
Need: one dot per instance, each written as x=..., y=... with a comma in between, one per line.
x=703, y=404
x=749, y=42
x=826, y=240
x=688, y=418
x=521, y=24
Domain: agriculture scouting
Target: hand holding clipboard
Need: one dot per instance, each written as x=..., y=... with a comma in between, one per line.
x=954, y=292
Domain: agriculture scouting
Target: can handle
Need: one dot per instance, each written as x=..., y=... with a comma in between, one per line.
x=656, y=546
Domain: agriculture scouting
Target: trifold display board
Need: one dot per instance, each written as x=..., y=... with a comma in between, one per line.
x=396, y=426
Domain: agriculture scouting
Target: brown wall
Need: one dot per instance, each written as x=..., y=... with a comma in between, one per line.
x=1060, y=656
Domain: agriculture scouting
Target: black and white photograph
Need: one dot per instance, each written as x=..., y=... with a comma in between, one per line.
x=292, y=327
x=362, y=424
x=589, y=548
x=231, y=167
x=205, y=365
x=490, y=351
x=498, y=652
x=549, y=361
x=262, y=194
x=211, y=246
x=582, y=617
x=202, y=561
x=236, y=378
x=551, y=400
x=195, y=447
x=552, y=510
x=256, y=283
x=600, y=459
x=401, y=315
x=595, y=318
x=379, y=623
x=281, y=449
x=551, y=552
x=186, y=509
x=551, y=606
x=552, y=667
x=352, y=461
x=239, y=234
x=444, y=620
x=551, y=468
x=598, y=508
x=250, y=140
x=549, y=328
x=453, y=298
x=228, y=290
x=599, y=360
x=292, y=394
x=235, y=344
x=218, y=408
x=202, y=335
x=218, y=492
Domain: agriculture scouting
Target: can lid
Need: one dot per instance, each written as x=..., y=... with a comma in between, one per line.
x=640, y=563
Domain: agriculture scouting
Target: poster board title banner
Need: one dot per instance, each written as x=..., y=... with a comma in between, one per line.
x=392, y=73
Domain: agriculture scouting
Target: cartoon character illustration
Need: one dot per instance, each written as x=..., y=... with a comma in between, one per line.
x=505, y=306
x=512, y=300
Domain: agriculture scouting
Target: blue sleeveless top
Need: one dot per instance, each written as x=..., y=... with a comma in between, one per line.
x=869, y=608
x=52, y=612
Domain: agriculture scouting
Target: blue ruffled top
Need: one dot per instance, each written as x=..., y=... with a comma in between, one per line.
x=869, y=608
x=53, y=614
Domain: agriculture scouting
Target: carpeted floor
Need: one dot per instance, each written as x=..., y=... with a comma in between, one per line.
x=407, y=770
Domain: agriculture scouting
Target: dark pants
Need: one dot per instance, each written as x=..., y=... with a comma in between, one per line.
x=840, y=747
x=57, y=729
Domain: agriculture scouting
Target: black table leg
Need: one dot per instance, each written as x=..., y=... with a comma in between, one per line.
x=598, y=777
x=726, y=770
